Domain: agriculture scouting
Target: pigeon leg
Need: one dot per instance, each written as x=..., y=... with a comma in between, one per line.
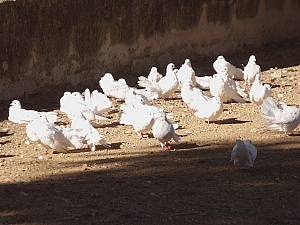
x=45, y=153
x=165, y=146
x=192, y=111
x=141, y=136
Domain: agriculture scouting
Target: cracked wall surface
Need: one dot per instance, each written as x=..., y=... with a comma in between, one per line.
x=53, y=42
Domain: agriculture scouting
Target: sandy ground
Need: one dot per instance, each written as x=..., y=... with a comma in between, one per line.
x=133, y=182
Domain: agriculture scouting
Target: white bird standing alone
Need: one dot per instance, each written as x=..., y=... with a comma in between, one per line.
x=243, y=154
x=163, y=130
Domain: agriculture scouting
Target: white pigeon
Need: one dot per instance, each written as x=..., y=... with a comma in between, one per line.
x=243, y=154
x=250, y=70
x=140, y=116
x=87, y=132
x=19, y=115
x=186, y=72
x=112, y=88
x=280, y=116
x=165, y=87
x=163, y=130
x=133, y=98
x=233, y=72
x=138, y=112
x=52, y=136
x=66, y=101
x=192, y=95
x=258, y=91
x=96, y=101
x=210, y=110
x=154, y=76
x=221, y=85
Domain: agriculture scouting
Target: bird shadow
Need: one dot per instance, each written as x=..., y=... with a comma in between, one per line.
x=231, y=121
x=6, y=156
x=4, y=134
x=179, y=128
x=189, y=146
x=98, y=148
x=275, y=85
x=173, y=99
x=294, y=135
x=4, y=142
x=113, y=124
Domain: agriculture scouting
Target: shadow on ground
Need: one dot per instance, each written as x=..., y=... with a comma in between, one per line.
x=136, y=190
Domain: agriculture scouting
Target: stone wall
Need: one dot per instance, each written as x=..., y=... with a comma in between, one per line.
x=53, y=42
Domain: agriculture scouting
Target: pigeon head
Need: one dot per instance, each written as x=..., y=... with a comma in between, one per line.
x=109, y=77
x=121, y=80
x=188, y=62
x=159, y=113
x=67, y=93
x=218, y=100
x=281, y=105
x=248, y=141
x=225, y=69
x=239, y=143
x=171, y=66
x=154, y=69
x=220, y=57
x=15, y=103
x=252, y=58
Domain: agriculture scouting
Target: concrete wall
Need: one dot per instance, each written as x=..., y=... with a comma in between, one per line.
x=52, y=42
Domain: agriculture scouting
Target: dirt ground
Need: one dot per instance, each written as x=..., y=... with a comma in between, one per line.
x=133, y=182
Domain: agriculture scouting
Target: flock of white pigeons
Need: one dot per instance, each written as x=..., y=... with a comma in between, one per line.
x=85, y=110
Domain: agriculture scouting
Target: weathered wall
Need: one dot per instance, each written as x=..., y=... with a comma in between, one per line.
x=52, y=41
